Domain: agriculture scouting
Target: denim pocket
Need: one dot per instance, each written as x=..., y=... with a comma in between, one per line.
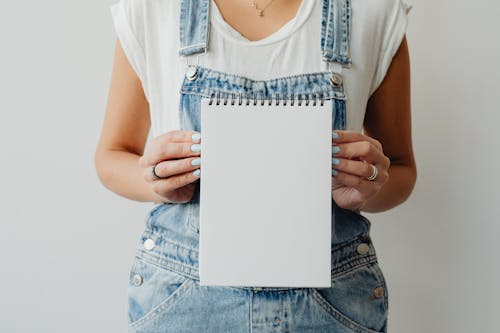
x=357, y=299
x=152, y=291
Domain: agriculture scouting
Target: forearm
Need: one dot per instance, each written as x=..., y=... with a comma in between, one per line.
x=396, y=190
x=119, y=172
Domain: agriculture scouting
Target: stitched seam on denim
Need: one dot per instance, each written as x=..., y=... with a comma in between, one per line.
x=327, y=28
x=140, y=249
x=347, y=259
x=165, y=304
x=192, y=46
x=190, y=51
x=182, y=18
x=352, y=266
x=332, y=56
x=205, y=92
x=167, y=240
x=382, y=282
x=168, y=263
x=190, y=216
x=154, y=263
x=324, y=8
x=250, y=306
x=340, y=317
x=205, y=89
x=347, y=32
x=207, y=23
x=339, y=32
x=280, y=78
x=336, y=48
x=363, y=237
x=352, y=242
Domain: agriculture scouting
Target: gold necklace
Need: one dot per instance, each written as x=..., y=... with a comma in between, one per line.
x=260, y=11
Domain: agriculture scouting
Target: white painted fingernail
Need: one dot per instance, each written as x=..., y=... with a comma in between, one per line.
x=196, y=137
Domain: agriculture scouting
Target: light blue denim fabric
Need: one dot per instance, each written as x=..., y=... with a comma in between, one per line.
x=164, y=294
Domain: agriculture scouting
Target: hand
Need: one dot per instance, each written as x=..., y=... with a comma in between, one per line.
x=178, y=156
x=351, y=167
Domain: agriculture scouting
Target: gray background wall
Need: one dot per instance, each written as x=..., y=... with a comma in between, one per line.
x=66, y=243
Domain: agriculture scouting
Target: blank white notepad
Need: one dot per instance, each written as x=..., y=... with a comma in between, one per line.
x=265, y=194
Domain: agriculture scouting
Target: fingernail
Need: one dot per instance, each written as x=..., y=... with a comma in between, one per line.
x=335, y=161
x=196, y=137
x=335, y=149
x=334, y=172
x=196, y=161
x=335, y=135
x=197, y=172
x=196, y=147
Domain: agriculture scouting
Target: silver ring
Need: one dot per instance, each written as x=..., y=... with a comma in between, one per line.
x=153, y=171
x=374, y=173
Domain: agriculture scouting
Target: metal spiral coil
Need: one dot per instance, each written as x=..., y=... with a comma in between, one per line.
x=253, y=99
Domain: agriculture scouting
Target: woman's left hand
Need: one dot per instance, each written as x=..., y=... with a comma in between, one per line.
x=351, y=167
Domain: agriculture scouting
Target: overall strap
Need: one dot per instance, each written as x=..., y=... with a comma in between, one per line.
x=335, y=31
x=193, y=26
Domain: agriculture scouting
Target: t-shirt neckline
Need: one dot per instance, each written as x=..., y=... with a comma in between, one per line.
x=224, y=28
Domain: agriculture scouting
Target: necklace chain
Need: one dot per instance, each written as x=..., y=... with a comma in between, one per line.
x=260, y=11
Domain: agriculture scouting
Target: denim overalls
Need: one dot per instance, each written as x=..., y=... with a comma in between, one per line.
x=164, y=292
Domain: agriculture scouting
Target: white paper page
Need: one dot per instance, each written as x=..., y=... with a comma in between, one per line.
x=265, y=195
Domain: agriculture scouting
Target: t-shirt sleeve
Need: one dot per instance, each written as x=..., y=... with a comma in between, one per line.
x=128, y=20
x=394, y=31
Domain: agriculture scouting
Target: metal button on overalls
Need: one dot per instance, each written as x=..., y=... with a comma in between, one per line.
x=137, y=280
x=149, y=244
x=378, y=292
x=362, y=248
x=336, y=79
x=191, y=73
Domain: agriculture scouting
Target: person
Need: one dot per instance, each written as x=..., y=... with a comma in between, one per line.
x=170, y=55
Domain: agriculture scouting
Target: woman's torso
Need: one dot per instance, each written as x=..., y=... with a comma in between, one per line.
x=290, y=51
x=291, y=62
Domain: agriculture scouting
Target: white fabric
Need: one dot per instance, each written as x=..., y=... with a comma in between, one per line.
x=148, y=32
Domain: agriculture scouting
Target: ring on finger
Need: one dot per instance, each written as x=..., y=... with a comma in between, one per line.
x=374, y=173
x=155, y=175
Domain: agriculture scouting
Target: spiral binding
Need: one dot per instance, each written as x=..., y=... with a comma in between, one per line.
x=253, y=97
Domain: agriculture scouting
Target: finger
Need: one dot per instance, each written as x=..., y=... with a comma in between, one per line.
x=360, y=169
x=170, y=184
x=365, y=187
x=352, y=136
x=357, y=168
x=178, y=136
x=162, y=149
x=172, y=167
x=362, y=150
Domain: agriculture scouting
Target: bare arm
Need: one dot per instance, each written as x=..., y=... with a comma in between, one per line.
x=124, y=134
x=123, y=160
x=388, y=119
x=386, y=144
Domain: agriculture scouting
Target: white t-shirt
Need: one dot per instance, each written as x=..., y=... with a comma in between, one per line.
x=149, y=34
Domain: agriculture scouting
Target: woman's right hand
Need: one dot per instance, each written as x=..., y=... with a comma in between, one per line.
x=176, y=155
